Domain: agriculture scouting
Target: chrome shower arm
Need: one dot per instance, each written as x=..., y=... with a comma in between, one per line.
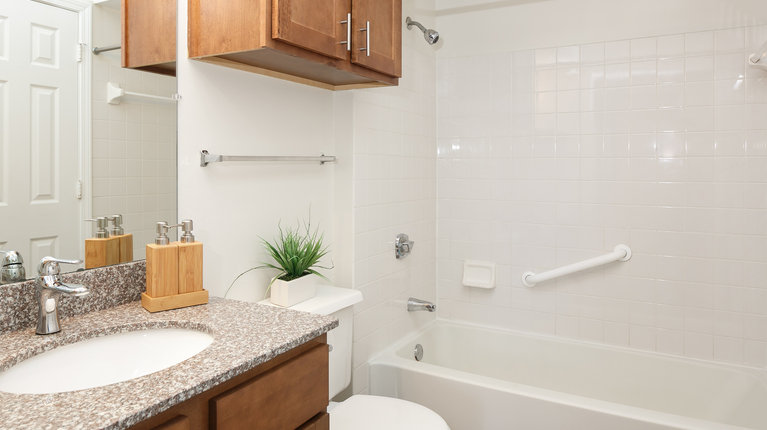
x=411, y=23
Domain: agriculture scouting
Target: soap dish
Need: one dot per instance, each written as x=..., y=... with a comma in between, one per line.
x=478, y=274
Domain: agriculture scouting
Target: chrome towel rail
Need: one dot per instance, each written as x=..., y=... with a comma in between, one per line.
x=206, y=158
x=98, y=50
x=620, y=253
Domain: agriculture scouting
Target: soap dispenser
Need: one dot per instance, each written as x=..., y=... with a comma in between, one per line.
x=162, y=264
x=126, y=240
x=189, y=260
x=101, y=250
x=173, y=271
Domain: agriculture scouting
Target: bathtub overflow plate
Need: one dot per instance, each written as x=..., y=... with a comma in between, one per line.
x=418, y=352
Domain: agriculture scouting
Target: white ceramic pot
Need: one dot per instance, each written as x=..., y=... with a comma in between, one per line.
x=289, y=293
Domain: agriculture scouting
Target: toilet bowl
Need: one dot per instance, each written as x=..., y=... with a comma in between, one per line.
x=360, y=412
x=383, y=413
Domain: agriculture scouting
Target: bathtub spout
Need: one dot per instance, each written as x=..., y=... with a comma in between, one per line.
x=420, y=305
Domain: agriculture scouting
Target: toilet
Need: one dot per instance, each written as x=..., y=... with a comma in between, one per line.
x=359, y=411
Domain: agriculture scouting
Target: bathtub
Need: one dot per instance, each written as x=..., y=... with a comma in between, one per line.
x=484, y=379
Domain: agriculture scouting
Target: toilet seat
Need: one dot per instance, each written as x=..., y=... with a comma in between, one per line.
x=383, y=413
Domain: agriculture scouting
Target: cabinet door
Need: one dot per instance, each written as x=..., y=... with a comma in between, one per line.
x=316, y=25
x=149, y=33
x=377, y=35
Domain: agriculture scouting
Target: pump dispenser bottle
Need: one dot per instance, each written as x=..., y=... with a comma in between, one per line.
x=189, y=260
x=173, y=271
x=126, y=240
x=101, y=250
x=162, y=264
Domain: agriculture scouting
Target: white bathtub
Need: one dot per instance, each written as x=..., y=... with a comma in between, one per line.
x=484, y=379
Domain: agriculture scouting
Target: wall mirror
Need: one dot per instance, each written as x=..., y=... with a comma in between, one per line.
x=70, y=150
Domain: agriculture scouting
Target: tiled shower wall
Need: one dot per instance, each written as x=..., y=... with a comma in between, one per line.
x=394, y=192
x=134, y=153
x=551, y=156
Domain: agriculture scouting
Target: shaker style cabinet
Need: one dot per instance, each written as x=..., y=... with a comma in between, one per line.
x=288, y=392
x=149, y=35
x=382, y=42
x=333, y=44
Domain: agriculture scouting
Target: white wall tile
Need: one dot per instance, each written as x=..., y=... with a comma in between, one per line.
x=658, y=143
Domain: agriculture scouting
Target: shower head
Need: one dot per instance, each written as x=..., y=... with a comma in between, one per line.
x=430, y=35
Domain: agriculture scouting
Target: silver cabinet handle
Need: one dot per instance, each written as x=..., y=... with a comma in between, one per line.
x=367, y=34
x=348, y=23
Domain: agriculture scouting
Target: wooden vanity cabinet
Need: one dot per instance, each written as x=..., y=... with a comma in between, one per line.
x=149, y=35
x=306, y=41
x=285, y=393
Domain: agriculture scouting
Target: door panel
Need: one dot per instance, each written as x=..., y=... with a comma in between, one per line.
x=385, y=51
x=39, y=149
x=315, y=25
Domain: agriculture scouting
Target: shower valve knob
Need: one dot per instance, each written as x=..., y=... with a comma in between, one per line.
x=403, y=246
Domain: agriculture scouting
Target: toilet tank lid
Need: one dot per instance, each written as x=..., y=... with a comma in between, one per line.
x=327, y=300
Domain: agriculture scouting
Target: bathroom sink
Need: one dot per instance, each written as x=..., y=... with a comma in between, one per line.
x=103, y=361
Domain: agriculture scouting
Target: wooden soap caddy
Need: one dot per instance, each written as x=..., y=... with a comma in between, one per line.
x=166, y=303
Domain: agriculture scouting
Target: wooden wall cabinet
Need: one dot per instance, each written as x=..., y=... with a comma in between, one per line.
x=285, y=393
x=323, y=43
x=149, y=35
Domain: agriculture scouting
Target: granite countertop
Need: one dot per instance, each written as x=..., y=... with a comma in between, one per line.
x=245, y=335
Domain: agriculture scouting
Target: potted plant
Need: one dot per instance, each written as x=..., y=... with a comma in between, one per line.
x=296, y=254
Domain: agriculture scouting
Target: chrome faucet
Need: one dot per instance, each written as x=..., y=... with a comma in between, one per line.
x=414, y=305
x=49, y=288
x=12, y=268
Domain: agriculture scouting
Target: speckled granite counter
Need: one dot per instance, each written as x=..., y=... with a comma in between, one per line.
x=245, y=335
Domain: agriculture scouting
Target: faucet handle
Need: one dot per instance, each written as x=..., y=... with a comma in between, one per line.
x=10, y=257
x=50, y=266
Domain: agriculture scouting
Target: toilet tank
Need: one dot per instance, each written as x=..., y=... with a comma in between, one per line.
x=336, y=302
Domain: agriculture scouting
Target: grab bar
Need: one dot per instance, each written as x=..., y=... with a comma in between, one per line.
x=206, y=158
x=620, y=253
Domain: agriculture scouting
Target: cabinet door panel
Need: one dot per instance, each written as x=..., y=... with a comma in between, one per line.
x=385, y=51
x=315, y=25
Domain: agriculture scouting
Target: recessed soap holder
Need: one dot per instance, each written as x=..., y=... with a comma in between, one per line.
x=478, y=274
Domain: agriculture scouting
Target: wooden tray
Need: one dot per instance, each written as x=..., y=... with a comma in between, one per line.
x=158, y=304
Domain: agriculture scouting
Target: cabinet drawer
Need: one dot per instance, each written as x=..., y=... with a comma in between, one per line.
x=282, y=398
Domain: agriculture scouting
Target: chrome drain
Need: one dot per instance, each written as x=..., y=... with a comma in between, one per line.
x=418, y=352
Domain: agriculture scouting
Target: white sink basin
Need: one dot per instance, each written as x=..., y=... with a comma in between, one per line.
x=103, y=361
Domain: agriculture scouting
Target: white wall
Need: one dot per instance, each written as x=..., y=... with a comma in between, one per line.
x=485, y=26
x=134, y=142
x=554, y=155
x=233, y=204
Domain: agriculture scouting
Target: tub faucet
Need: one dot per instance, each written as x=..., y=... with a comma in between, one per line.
x=414, y=305
x=49, y=288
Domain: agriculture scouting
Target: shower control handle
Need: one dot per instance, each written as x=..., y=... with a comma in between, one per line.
x=348, y=23
x=367, y=36
x=403, y=246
